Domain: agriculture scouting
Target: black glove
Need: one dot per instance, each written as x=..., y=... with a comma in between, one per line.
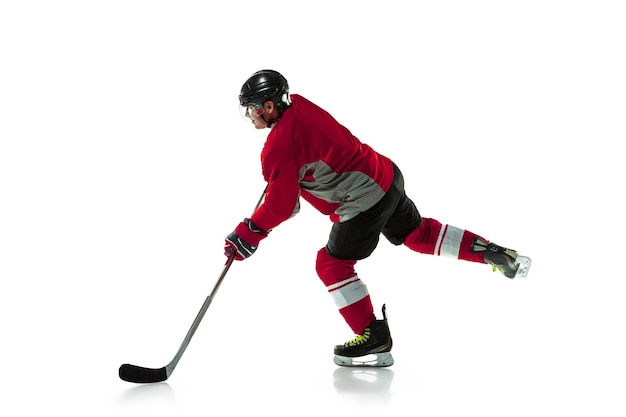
x=244, y=240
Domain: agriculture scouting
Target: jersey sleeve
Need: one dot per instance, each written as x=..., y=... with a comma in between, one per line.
x=283, y=191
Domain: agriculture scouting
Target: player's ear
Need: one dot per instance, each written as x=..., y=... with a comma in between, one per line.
x=269, y=106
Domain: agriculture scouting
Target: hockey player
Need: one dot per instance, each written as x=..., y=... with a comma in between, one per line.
x=309, y=154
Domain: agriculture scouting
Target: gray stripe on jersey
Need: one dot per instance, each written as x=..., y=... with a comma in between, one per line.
x=354, y=191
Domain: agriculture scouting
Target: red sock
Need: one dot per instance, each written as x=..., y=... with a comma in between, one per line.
x=348, y=291
x=433, y=238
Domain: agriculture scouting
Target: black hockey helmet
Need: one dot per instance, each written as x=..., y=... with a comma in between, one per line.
x=265, y=85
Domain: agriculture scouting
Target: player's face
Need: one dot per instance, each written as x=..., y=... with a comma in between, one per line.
x=254, y=113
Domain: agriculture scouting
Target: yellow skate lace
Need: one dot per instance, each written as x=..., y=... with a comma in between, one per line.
x=359, y=339
x=510, y=252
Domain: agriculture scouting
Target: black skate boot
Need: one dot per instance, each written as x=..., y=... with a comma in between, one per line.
x=372, y=348
x=504, y=260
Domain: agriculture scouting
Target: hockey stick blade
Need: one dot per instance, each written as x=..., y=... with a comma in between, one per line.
x=141, y=375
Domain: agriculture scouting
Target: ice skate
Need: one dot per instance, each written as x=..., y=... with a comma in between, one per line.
x=502, y=259
x=372, y=348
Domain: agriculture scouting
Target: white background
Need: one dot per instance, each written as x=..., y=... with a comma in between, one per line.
x=124, y=162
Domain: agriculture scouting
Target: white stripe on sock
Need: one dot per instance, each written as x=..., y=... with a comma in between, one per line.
x=348, y=291
x=449, y=241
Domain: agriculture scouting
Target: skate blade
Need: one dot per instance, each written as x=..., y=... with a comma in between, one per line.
x=524, y=265
x=374, y=360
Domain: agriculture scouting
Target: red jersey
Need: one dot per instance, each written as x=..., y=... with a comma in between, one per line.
x=309, y=154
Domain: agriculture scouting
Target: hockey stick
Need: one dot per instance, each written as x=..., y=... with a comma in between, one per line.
x=139, y=374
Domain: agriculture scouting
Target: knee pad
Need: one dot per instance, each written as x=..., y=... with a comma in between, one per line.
x=424, y=238
x=332, y=270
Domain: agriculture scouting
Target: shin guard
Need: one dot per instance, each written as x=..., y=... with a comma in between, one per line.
x=348, y=291
x=434, y=238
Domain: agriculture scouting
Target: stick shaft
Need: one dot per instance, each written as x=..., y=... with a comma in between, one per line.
x=133, y=373
x=169, y=368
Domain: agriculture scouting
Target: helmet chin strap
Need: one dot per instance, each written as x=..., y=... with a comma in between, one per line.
x=269, y=125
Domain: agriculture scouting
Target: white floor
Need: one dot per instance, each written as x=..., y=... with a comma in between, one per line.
x=124, y=163
x=466, y=341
